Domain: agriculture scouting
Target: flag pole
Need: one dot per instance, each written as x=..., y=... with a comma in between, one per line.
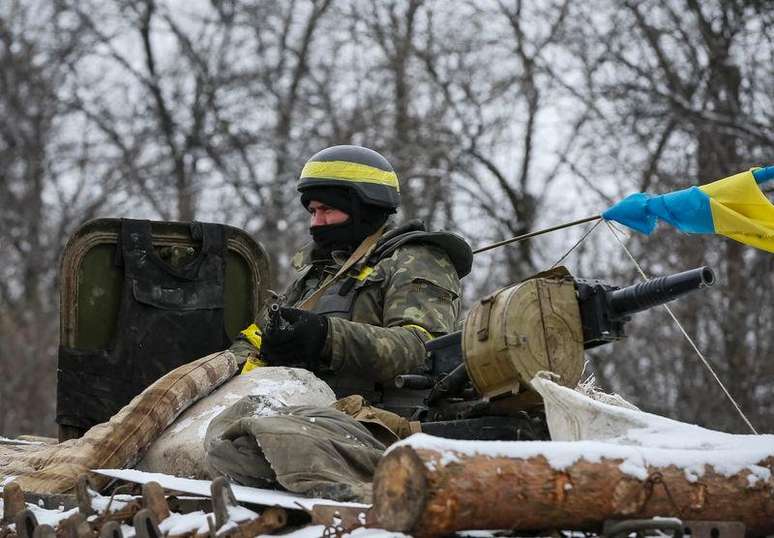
x=536, y=233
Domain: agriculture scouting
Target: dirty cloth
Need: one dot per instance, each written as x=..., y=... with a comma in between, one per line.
x=316, y=451
x=179, y=451
x=122, y=440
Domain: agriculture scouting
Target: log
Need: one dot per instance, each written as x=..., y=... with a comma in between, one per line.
x=429, y=492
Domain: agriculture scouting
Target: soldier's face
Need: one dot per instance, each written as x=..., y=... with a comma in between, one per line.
x=322, y=214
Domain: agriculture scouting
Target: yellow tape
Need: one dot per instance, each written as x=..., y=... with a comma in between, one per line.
x=364, y=273
x=347, y=171
x=420, y=329
x=253, y=335
x=252, y=363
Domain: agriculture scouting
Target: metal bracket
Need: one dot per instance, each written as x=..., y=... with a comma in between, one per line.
x=111, y=529
x=622, y=528
x=44, y=531
x=26, y=523
x=486, y=313
x=222, y=498
x=715, y=529
x=82, y=487
x=342, y=517
x=696, y=529
x=154, y=500
x=145, y=525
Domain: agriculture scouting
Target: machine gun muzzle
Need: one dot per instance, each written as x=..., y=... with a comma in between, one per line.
x=657, y=291
x=604, y=309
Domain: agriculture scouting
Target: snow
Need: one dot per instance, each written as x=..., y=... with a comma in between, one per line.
x=594, y=430
x=689, y=447
x=50, y=517
x=316, y=531
x=55, y=516
x=245, y=494
x=8, y=441
x=180, y=449
x=206, y=418
x=100, y=503
x=177, y=524
x=374, y=533
x=183, y=424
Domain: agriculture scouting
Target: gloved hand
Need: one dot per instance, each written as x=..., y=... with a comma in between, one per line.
x=299, y=341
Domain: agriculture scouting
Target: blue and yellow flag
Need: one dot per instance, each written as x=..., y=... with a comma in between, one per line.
x=735, y=207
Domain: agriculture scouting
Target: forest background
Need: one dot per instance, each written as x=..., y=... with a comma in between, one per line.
x=499, y=116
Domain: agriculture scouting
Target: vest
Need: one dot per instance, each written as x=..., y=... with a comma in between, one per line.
x=168, y=316
x=339, y=300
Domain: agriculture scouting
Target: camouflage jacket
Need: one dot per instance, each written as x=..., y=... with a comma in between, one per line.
x=411, y=295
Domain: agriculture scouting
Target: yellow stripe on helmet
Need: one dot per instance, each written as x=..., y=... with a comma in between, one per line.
x=348, y=171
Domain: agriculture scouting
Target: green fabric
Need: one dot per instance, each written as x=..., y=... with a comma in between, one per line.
x=315, y=451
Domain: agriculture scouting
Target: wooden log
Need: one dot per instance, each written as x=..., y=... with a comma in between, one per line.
x=425, y=492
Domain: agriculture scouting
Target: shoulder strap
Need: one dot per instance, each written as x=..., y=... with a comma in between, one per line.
x=360, y=252
x=456, y=247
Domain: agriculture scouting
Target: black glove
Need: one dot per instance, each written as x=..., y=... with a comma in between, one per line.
x=299, y=340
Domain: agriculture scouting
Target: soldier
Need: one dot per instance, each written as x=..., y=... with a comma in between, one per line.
x=366, y=298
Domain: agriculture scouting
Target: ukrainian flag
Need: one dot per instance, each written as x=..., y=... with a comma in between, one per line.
x=735, y=207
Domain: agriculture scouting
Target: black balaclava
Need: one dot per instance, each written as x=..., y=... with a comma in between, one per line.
x=364, y=219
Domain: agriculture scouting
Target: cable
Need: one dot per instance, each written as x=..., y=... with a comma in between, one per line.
x=690, y=340
x=539, y=232
x=577, y=243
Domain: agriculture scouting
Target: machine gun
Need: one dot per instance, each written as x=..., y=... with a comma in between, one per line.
x=478, y=383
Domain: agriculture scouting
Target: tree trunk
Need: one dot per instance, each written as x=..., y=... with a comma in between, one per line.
x=421, y=492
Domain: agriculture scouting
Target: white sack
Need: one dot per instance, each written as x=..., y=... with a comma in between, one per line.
x=179, y=451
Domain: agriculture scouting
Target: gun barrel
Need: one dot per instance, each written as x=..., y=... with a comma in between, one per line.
x=660, y=290
x=274, y=318
x=413, y=381
x=451, y=384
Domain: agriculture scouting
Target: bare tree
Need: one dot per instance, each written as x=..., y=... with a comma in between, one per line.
x=681, y=97
x=38, y=196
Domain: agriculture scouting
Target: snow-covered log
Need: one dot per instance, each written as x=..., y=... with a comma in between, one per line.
x=447, y=486
x=606, y=462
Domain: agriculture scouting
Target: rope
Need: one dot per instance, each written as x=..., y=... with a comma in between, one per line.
x=538, y=232
x=682, y=330
x=577, y=243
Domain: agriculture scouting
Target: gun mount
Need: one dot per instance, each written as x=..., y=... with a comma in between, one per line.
x=542, y=324
x=605, y=308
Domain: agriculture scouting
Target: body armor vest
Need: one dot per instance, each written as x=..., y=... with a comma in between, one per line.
x=339, y=300
x=168, y=316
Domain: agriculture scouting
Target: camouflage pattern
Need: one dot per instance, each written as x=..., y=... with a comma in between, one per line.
x=409, y=298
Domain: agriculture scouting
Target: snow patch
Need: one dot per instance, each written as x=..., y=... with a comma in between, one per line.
x=7, y=441
x=180, y=449
x=640, y=440
x=265, y=497
x=726, y=461
x=183, y=424
x=50, y=517
x=177, y=524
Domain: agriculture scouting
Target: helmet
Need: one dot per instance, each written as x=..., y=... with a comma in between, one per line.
x=360, y=169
